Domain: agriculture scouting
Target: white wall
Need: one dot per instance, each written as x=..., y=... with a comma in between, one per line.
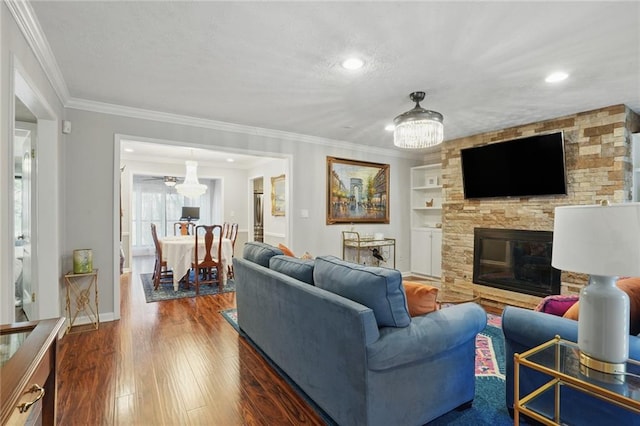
x=16, y=53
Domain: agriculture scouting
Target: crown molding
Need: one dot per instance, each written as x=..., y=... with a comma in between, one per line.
x=30, y=27
x=28, y=24
x=164, y=117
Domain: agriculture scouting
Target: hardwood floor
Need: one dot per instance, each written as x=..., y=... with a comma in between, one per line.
x=176, y=362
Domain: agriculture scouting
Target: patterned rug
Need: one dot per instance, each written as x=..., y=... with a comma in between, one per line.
x=166, y=292
x=488, y=408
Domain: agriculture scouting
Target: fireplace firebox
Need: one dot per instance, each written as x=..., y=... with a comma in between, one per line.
x=515, y=260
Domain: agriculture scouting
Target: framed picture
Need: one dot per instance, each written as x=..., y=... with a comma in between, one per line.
x=277, y=196
x=357, y=191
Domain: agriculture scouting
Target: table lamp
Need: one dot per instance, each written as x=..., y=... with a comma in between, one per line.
x=604, y=242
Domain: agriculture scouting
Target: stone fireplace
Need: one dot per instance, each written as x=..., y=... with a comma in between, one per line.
x=598, y=161
x=515, y=260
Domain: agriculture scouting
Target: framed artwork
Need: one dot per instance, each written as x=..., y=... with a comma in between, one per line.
x=357, y=191
x=277, y=196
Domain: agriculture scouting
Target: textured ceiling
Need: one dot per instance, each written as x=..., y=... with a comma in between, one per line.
x=276, y=65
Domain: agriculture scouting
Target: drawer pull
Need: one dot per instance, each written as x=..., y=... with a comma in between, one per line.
x=26, y=405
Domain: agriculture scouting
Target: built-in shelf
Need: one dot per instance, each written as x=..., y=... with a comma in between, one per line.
x=426, y=235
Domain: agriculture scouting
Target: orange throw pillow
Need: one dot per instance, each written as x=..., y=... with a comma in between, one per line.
x=631, y=286
x=421, y=298
x=286, y=250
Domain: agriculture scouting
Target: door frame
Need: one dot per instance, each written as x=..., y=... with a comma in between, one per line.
x=45, y=198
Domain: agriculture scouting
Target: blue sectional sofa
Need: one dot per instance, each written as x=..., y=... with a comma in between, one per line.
x=363, y=364
x=525, y=329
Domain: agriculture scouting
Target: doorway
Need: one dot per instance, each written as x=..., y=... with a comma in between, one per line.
x=258, y=209
x=25, y=134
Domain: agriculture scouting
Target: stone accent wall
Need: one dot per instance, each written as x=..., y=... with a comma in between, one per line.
x=598, y=161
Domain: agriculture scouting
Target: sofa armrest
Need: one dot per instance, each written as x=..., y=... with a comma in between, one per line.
x=427, y=336
x=525, y=329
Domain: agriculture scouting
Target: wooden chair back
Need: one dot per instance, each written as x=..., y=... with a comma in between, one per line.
x=212, y=260
x=160, y=272
x=184, y=228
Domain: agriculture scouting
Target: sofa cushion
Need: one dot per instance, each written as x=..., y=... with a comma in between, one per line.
x=421, y=298
x=299, y=269
x=260, y=253
x=377, y=288
x=631, y=286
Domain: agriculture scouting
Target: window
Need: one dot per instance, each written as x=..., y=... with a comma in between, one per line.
x=154, y=202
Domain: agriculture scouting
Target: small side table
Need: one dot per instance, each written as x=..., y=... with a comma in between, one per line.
x=79, y=288
x=448, y=297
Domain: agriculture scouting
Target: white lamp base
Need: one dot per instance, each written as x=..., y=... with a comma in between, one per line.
x=603, y=325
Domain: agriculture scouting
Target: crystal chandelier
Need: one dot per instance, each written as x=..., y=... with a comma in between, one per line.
x=418, y=128
x=191, y=187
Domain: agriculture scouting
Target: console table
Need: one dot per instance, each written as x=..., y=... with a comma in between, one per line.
x=28, y=370
x=79, y=289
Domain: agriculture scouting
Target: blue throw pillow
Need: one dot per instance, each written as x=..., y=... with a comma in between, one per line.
x=377, y=288
x=299, y=269
x=260, y=253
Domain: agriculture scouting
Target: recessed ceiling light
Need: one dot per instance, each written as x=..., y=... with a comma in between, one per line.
x=352, y=64
x=389, y=127
x=128, y=150
x=556, y=77
x=230, y=160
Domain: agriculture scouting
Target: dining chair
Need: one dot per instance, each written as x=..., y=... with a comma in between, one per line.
x=226, y=229
x=232, y=235
x=184, y=228
x=160, y=272
x=212, y=260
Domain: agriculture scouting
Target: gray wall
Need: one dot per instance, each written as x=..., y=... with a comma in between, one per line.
x=89, y=184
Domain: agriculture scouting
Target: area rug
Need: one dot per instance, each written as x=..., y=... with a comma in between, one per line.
x=166, y=291
x=489, y=403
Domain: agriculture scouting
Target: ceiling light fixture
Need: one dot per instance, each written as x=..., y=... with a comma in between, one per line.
x=352, y=64
x=170, y=181
x=556, y=77
x=389, y=127
x=191, y=187
x=418, y=128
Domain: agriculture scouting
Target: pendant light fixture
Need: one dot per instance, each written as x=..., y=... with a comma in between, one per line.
x=191, y=187
x=418, y=128
x=170, y=181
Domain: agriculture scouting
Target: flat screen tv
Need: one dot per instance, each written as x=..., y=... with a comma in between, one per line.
x=190, y=213
x=530, y=166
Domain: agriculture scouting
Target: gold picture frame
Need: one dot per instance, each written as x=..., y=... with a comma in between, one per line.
x=278, y=199
x=357, y=191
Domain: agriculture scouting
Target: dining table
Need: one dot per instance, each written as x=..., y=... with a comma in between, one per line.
x=179, y=253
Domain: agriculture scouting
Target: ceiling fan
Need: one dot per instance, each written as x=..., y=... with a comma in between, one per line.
x=170, y=181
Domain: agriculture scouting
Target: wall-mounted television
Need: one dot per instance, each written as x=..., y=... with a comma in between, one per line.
x=530, y=166
x=190, y=213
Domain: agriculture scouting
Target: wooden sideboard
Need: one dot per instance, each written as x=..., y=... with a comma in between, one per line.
x=28, y=371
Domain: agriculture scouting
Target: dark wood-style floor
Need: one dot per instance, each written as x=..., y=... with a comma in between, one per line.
x=177, y=362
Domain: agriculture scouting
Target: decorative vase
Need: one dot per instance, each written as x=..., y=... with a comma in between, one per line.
x=82, y=261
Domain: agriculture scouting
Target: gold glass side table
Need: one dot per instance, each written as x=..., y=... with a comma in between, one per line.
x=79, y=289
x=560, y=360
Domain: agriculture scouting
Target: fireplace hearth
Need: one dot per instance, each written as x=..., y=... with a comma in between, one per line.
x=515, y=260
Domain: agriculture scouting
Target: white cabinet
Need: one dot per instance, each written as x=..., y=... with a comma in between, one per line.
x=426, y=251
x=426, y=220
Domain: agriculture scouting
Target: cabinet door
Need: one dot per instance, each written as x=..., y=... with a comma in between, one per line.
x=420, y=251
x=436, y=253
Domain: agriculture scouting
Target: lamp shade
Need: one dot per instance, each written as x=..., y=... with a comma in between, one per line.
x=191, y=187
x=597, y=240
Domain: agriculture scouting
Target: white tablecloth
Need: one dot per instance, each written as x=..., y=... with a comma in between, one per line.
x=179, y=252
